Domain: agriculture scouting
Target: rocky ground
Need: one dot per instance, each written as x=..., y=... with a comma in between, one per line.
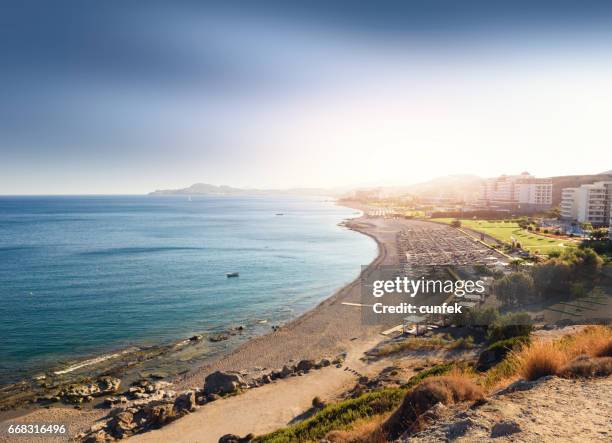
x=551, y=409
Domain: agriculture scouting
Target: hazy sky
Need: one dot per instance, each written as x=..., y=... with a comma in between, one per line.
x=128, y=97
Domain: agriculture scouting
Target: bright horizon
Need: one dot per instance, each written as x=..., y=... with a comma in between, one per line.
x=162, y=97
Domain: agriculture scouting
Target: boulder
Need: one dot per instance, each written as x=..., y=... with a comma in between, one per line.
x=503, y=428
x=159, y=415
x=305, y=365
x=324, y=362
x=222, y=383
x=232, y=438
x=185, y=402
x=122, y=425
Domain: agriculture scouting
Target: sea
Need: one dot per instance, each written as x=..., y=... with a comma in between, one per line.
x=81, y=276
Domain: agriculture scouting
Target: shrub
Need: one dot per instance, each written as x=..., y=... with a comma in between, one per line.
x=595, y=341
x=496, y=352
x=515, y=288
x=412, y=343
x=516, y=324
x=435, y=370
x=463, y=343
x=362, y=431
x=318, y=403
x=476, y=317
x=605, y=350
x=446, y=390
x=540, y=359
x=587, y=367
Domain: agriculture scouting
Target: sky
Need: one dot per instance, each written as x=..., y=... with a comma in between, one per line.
x=120, y=97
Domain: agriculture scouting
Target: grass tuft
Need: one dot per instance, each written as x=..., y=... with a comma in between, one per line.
x=540, y=359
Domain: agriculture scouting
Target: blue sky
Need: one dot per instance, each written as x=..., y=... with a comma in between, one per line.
x=127, y=97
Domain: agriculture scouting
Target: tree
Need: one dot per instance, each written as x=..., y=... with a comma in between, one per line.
x=598, y=234
x=514, y=288
x=456, y=223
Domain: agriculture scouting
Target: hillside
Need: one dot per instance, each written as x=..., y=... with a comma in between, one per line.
x=549, y=409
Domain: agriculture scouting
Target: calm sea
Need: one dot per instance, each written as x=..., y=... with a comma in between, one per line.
x=83, y=275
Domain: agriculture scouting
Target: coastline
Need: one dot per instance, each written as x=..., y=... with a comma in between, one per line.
x=257, y=351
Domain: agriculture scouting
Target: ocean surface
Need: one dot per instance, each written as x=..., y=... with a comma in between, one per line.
x=80, y=276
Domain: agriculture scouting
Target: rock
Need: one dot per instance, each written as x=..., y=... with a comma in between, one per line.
x=325, y=362
x=98, y=437
x=232, y=438
x=339, y=365
x=108, y=385
x=305, y=365
x=185, y=402
x=286, y=371
x=222, y=383
x=122, y=425
x=338, y=360
x=266, y=379
x=212, y=397
x=78, y=393
x=159, y=415
x=97, y=427
x=218, y=337
x=503, y=428
x=459, y=428
x=196, y=337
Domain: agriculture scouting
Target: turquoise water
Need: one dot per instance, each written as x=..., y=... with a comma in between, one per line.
x=82, y=275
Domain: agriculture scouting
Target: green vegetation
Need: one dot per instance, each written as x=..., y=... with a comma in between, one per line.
x=515, y=324
x=345, y=413
x=422, y=343
x=337, y=416
x=505, y=231
x=514, y=289
x=433, y=371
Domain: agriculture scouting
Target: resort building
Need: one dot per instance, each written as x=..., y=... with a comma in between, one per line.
x=522, y=191
x=588, y=203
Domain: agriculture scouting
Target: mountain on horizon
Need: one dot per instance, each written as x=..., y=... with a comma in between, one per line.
x=224, y=190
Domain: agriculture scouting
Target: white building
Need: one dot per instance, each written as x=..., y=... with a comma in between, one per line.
x=521, y=190
x=588, y=203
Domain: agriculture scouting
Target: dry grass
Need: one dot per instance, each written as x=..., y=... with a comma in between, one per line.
x=595, y=341
x=448, y=389
x=568, y=355
x=363, y=431
x=587, y=367
x=410, y=344
x=540, y=359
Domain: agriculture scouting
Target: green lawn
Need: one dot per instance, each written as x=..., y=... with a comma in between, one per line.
x=504, y=231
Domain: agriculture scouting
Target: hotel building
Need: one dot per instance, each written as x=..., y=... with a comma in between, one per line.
x=588, y=204
x=522, y=191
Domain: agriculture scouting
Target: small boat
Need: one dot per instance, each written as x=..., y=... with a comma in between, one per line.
x=280, y=213
x=232, y=274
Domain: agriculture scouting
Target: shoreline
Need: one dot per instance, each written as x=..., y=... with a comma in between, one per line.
x=118, y=361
